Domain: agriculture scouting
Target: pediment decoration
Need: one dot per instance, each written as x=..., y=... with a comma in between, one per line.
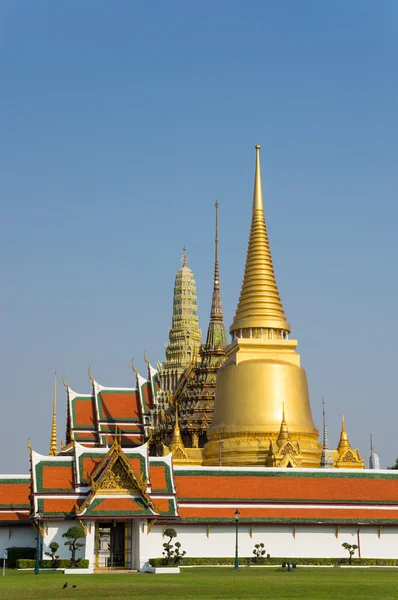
x=179, y=453
x=350, y=459
x=114, y=475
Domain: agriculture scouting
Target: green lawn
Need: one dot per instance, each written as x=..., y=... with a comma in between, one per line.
x=212, y=583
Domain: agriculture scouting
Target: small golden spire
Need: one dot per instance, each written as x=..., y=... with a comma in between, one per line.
x=176, y=439
x=259, y=305
x=283, y=432
x=344, y=444
x=53, y=441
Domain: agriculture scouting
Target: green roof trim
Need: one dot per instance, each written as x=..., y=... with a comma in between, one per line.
x=287, y=521
x=144, y=511
x=39, y=477
x=232, y=500
x=104, y=417
x=168, y=477
x=90, y=426
x=326, y=474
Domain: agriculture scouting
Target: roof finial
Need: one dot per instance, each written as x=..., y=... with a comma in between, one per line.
x=92, y=378
x=184, y=259
x=133, y=368
x=259, y=306
x=64, y=382
x=53, y=441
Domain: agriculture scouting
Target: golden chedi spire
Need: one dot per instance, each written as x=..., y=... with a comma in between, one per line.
x=53, y=441
x=347, y=456
x=262, y=369
x=284, y=431
x=260, y=309
x=344, y=444
x=176, y=439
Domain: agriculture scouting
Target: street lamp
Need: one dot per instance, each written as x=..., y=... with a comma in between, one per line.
x=37, y=563
x=237, y=515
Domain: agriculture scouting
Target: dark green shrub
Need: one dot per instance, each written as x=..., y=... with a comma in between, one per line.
x=381, y=562
x=16, y=552
x=63, y=563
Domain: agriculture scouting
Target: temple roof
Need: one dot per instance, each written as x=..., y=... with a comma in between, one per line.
x=282, y=495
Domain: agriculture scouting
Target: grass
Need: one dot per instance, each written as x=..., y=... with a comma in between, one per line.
x=207, y=583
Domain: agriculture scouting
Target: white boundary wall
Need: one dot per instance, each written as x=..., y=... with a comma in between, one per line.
x=23, y=535
x=284, y=541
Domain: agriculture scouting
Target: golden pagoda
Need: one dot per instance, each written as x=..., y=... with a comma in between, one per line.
x=262, y=372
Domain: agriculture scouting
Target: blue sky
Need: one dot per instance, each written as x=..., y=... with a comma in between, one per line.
x=120, y=124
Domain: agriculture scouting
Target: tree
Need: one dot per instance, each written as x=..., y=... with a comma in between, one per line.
x=350, y=549
x=173, y=555
x=395, y=466
x=73, y=534
x=259, y=553
x=52, y=554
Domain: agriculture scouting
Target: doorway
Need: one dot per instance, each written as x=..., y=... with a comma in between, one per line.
x=113, y=545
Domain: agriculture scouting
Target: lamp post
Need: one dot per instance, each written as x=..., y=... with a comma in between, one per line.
x=37, y=563
x=237, y=515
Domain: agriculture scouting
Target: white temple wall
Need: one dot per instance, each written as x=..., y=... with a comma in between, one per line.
x=88, y=551
x=379, y=542
x=284, y=541
x=53, y=531
x=23, y=535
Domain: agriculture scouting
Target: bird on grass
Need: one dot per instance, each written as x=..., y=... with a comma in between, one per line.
x=65, y=585
x=74, y=586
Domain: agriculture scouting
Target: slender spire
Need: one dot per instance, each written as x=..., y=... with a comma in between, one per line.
x=216, y=334
x=374, y=461
x=259, y=306
x=344, y=444
x=326, y=458
x=53, y=441
x=283, y=432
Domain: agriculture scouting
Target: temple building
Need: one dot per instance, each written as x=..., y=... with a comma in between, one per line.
x=213, y=429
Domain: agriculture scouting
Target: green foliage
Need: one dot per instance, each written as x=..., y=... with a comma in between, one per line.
x=172, y=554
x=62, y=563
x=350, y=549
x=394, y=467
x=52, y=554
x=73, y=534
x=259, y=554
x=170, y=533
x=16, y=552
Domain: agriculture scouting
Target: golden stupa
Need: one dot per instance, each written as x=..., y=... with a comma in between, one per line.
x=261, y=383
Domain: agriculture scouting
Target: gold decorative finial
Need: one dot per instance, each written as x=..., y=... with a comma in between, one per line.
x=91, y=377
x=259, y=307
x=343, y=443
x=146, y=360
x=53, y=441
x=30, y=449
x=64, y=382
x=133, y=368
